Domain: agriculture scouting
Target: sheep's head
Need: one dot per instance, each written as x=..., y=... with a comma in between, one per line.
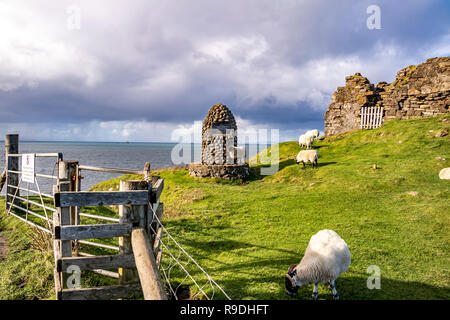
x=291, y=286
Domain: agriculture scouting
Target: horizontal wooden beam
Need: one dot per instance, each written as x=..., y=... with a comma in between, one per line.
x=99, y=293
x=97, y=262
x=100, y=198
x=157, y=189
x=93, y=231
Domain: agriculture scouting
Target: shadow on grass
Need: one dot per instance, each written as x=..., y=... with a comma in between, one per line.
x=349, y=288
x=245, y=274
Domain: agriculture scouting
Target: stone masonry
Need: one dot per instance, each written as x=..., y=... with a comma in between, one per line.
x=418, y=91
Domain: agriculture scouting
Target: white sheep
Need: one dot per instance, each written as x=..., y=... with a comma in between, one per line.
x=326, y=257
x=305, y=141
x=306, y=156
x=313, y=133
x=444, y=174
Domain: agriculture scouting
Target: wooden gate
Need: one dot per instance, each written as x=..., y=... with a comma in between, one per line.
x=137, y=201
x=138, y=244
x=371, y=117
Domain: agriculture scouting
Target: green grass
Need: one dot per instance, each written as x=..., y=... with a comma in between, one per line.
x=247, y=234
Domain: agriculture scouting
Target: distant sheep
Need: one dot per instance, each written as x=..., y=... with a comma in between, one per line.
x=306, y=156
x=326, y=257
x=305, y=141
x=313, y=133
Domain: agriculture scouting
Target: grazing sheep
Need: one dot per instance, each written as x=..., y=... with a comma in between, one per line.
x=307, y=156
x=313, y=133
x=326, y=257
x=305, y=141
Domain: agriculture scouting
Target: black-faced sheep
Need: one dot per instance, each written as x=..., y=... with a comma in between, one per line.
x=306, y=156
x=326, y=257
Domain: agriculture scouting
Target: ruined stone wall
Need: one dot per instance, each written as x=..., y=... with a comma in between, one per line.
x=418, y=91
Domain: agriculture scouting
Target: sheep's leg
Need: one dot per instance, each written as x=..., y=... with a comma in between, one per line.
x=315, y=291
x=303, y=163
x=333, y=288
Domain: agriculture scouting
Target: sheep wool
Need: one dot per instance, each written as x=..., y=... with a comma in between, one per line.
x=305, y=141
x=313, y=133
x=326, y=257
x=306, y=156
x=444, y=174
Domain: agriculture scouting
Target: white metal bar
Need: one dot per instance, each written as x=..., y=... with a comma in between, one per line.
x=33, y=191
x=101, y=245
x=37, y=174
x=94, y=216
x=30, y=212
x=31, y=223
x=35, y=203
x=46, y=176
x=40, y=155
x=42, y=201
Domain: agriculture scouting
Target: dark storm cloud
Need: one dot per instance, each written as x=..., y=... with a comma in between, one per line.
x=275, y=63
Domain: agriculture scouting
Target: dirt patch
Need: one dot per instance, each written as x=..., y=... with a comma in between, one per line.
x=3, y=247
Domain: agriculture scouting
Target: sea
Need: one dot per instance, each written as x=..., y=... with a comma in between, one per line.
x=119, y=155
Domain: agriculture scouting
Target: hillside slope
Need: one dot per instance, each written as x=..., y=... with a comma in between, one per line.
x=246, y=235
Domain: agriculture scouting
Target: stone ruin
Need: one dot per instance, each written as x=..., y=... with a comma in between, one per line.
x=418, y=91
x=220, y=156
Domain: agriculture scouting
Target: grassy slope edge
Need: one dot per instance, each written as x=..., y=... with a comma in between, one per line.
x=246, y=235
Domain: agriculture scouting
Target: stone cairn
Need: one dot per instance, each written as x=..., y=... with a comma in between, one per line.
x=219, y=157
x=218, y=136
x=418, y=91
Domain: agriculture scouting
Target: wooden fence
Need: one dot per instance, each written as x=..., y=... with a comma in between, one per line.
x=371, y=117
x=137, y=256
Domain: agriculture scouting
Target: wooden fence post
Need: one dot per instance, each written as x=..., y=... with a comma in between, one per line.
x=66, y=215
x=151, y=282
x=130, y=214
x=12, y=179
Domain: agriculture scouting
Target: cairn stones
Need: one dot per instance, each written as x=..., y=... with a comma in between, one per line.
x=219, y=158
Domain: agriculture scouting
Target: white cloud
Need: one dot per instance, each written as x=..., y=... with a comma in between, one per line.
x=33, y=50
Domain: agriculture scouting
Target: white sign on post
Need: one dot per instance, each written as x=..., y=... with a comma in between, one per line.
x=28, y=167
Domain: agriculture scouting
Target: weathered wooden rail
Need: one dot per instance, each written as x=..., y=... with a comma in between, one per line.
x=135, y=200
x=138, y=256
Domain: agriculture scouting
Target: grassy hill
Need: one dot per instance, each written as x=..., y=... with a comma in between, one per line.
x=247, y=234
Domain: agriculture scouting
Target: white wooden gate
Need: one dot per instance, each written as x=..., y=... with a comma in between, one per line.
x=371, y=117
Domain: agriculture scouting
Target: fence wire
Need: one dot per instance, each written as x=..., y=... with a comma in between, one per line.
x=178, y=264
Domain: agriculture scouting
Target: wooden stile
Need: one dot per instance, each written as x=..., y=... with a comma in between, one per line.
x=93, y=231
x=149, y=277
x=101, y=198
x=99, y=293
x=129, y=214
x=96, y=262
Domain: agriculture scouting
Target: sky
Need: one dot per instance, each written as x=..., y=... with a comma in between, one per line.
x=148, y=71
